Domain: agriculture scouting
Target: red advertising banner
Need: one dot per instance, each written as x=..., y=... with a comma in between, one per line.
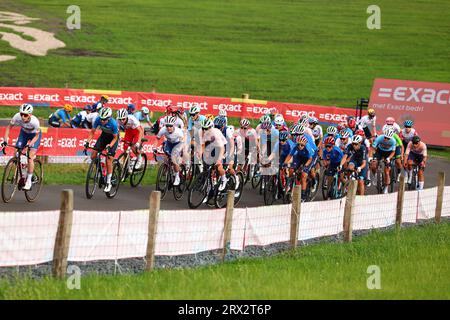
x=157, y=102
x=68, y=142
x=426, y=103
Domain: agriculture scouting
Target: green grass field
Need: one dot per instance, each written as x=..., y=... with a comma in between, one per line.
x=317, y=52
x=412, y=266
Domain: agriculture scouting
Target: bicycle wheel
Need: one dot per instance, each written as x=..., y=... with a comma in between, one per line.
x=393, y=176
x=256, y=178
x=380, y=181
x=162, y=179
x=270, y=191
x=325, y=187
x=92, y=178
x=124, y=162
x=37, y=181
x=413, y=185
x=191, y=173
x=239, y=188
x=315, y=186
x=220, y=197
x=199, y=191
x=178, y=191
x=138, y=174
x=115, y=179
x=10, y=180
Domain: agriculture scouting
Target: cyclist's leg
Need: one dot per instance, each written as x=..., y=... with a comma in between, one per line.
x=420, y=173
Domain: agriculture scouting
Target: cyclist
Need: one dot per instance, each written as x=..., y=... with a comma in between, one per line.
x=390, y=121
x=344, y=140
x=90, y=118
x=29, y=136
x=133, y=133
x=250, y=141
x=366, y=143
x=352, y=125
x=316, y=164
x=366, y=121
x=355, y=159
x=131, y=108
x=279, y=123
x=195, y=119
x=96, y=107
x=407, y=133
x=228, y=133
x=301, y=155
x=108, y=140
x=384, y=147
x=170, y=111
x=61, y=117
x=143, y=115
x=265, y=118
x=213, y=138
x=332, y=156
x=416, y=153
x=316, y=130
x=79, y=121
x=174, y=144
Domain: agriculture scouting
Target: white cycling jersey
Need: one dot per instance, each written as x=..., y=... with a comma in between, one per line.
x=132, y=123
x=407, y=137
x=317, y=132
x=31, y=126
x=176, y=136
x=365, y=121
x=343, y=146
x=91, y=117
x=213, y=136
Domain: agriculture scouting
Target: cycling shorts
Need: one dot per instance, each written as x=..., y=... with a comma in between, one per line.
x=380, y=154
x=104, y=140
x=363, y=174
x=398, y=152
x=332, y=169
x=415, y=157
x=301, y=162
x=24, y=137
x=132, y=136
x=367, y=133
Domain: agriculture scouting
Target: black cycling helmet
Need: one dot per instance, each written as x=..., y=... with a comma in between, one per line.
x=416, y=139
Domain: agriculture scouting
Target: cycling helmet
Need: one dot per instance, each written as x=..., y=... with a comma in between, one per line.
x=26, y=108
x=145, y=110
x=329, y=140
x=303, y=120
x=301, y=129
x=244, y=123
x=332, y=130
x=207, y=123
x=104, y=97
x=341, y=126
x=293, y=129
x=283, y=135
x=194, y=110
x=360, y=132
x=351, y=123
x=209, y=116
x=266, y=125
x=122, y=114
x=301, y=139
x=105, y=113
x=389, y=132
x=169, y=120
x=279, y=120
x=408, y=123
x=171, y=109
x=416, y=139
x=68, y=108
x=265, y=118
x=357, y=139
x=219, y=122
x=390, y=120
x=131, y=107
x=344, y=134
x=313, y=120
x=371, y=112
x=222, y=113
x=87, y=107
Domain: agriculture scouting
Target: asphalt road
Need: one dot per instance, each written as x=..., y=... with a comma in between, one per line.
x=138, y=198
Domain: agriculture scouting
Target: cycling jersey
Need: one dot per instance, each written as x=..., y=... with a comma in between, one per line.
x=384, y=145
x=132, y=123
x=285, y=150
x=311, y=142
x=334, y=155
x=58, y=117
x=213, y=136
x=97, y=106
x=407, y=137
x=300, y=157
x=90, y=118
x=269, y=142
x=365, y=121
x=195, y=123
x=175, y=137
x=420, y=148
x=343, y=146
x=141, y=116
x=356, y=156
x=79, y=120
x=110, y=127
x=28, y=127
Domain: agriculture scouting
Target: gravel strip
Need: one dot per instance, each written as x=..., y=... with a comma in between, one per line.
x=207, y=258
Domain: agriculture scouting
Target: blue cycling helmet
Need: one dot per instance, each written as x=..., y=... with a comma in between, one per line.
x=219, y=122
x=283, y=136
x=87, y=107
x=131, y=107
x=408, y=123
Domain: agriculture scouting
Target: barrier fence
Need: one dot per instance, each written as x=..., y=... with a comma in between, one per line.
x=67, y=235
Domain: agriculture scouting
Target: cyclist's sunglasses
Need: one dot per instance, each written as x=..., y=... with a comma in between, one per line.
x=301, y=145
x=329, y=146
x=24, y=115
x=355, y=144
x=283, y=140
x=416, y=142
x=408, y=126
x=105, y=119
x=169, y=125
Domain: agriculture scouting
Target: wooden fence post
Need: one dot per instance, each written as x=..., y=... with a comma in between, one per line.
x=400, y=197
x=295, y=215
x=440, y=197
x=348, y=211
x=62, y=241
x=245, y=96
x=227, y=223
x=155, y=198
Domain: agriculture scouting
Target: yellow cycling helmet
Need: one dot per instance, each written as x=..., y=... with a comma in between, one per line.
x=209, y=116
x=105, y=97
x=68, y=108
x=371, y=112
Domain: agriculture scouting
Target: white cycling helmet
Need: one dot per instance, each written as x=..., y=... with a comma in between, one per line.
x=122, y=114
x=26, y=108
x=145, y=110
x=207, y=123
x=244, y=123
x=389, y=132
x=301, y=129
x=194, y=110
x=222, y=113
x=169, y=120
x=279, y=120
x=105, y=113
x=303, y=120
x=357, y=139
x=332, y=130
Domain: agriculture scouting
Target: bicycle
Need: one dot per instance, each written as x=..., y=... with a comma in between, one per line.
x=203, y=187
x=14, y=175
x=380, y=176
x=335, y=191
x=276, y=188
x=128, y=165
x=220, y=197
x=312, y=185
x=414, y=178
x=96, y=175
x=165, y=177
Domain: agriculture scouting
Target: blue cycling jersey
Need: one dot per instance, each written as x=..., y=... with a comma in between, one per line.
x=348, y=130
x=311, y=142
x=285, y=149
x=384, y=145
x=303, y=154
x=62, y=114
x=196, y=123
x=334, y=155
x=110, y=127
x=141, y=116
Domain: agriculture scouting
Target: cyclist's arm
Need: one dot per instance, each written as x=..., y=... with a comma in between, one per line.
x=288, y=159
x=91, y=134
x=8, y=128
x=308, y=162
x=392, y=154
x=114, y=140
x=36, y=136
x=344, y=159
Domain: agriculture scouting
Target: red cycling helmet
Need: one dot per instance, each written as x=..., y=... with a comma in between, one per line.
x=351, y=123
x=171, y=109
x=301, y=139
x=341, y=126
x=329, y=140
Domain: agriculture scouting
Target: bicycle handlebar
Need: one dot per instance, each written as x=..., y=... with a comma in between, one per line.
x=17, y=148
